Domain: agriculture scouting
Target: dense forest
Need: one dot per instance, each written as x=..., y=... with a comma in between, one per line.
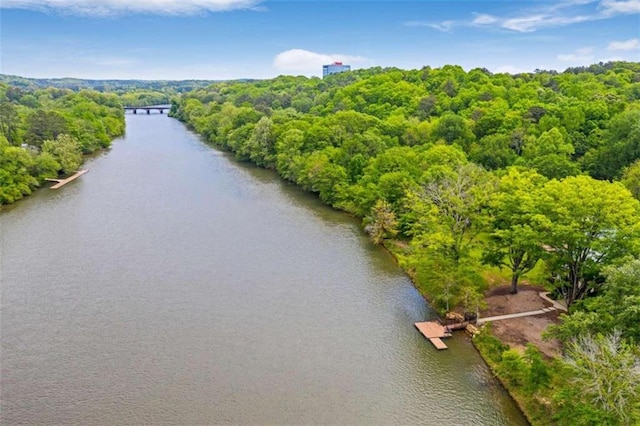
x=45, y=133
x=47, y=125
x=130, y=92
x=113, y=86
x=469, y=178
x=466, y=176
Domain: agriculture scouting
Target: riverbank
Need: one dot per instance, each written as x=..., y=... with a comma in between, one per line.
x=52, y=136
x=518, y=334
x=36, y=183
x=472, y=207
x=182, y=282
x=515, y=334
x=397, y=249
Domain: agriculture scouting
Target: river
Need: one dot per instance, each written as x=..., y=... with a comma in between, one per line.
x=173, y=285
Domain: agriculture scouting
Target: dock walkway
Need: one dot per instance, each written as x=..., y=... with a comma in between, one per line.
x=434, y=331
x=555, y=306
x=62, y=182
x=517, y=315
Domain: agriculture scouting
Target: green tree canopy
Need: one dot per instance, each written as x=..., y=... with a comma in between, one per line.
x=586, y=223
x=514, y=241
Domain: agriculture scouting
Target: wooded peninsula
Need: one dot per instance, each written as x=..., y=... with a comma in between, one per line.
x=471, y=179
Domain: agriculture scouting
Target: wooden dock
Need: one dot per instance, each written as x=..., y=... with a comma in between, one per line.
x=62, y=182
x=434, y=331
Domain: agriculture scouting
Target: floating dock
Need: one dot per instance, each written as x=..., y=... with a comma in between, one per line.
x=62, y=182
x=434, y=331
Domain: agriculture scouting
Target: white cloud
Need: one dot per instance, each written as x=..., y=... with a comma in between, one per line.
x=441, y=26
x=484, y=19
x=534, y=22
x=111, y=7
x=570, y=3
x=560, y=13
x=307, y=62
x=614, y=7
x=524, y=23
x=631, y=44
x=582, y=56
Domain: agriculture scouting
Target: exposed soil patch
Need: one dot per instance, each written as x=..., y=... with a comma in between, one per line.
x=517, y=332
x=500, y=301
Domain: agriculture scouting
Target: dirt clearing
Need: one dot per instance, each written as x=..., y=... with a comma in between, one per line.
x=517, y=332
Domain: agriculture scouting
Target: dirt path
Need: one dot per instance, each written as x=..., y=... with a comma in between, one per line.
x=517, y=332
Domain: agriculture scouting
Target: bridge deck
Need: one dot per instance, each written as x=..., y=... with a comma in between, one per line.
x=160, y=108
x=148, y=107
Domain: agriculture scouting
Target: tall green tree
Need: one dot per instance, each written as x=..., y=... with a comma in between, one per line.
x=550, y=154
x=621, y=149
x=261, y=144
x=615, y=306
x=9, y=121
x=454, y=129
x=382, y=222
x=449, y=217
x=16, y=180
x=586, y=224
x=450, y=208
x=66, y=151
x=514, y=241
x=631, y=179
x=44, y=125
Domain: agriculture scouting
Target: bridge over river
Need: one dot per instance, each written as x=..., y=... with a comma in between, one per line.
x=160, y=108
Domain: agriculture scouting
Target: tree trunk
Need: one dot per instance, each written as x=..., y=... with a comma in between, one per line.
x=514, y=283
x=574, y=285
x=516, y=271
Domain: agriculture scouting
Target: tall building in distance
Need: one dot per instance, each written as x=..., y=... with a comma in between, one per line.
x=334, y=68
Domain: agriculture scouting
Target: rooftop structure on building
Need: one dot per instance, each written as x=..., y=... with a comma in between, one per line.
x=334, y=68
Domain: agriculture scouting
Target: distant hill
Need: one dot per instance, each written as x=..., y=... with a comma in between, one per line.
x=104, y=85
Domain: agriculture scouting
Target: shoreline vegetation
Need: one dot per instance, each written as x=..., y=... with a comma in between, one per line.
x=474, y=180
x=47, y=134
x=49, y=127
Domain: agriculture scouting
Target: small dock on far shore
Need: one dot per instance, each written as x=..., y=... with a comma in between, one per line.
x=62, y=182
x=435, y=332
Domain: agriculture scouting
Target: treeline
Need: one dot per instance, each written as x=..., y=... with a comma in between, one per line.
x=131, y=92
x=471, y=168
x=113, y=86
x=45, y=133
x=470, y=175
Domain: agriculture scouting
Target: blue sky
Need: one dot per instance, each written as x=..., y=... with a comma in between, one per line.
x=226, y=39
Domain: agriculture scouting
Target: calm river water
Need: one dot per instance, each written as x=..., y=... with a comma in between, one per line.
x=172, y=285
